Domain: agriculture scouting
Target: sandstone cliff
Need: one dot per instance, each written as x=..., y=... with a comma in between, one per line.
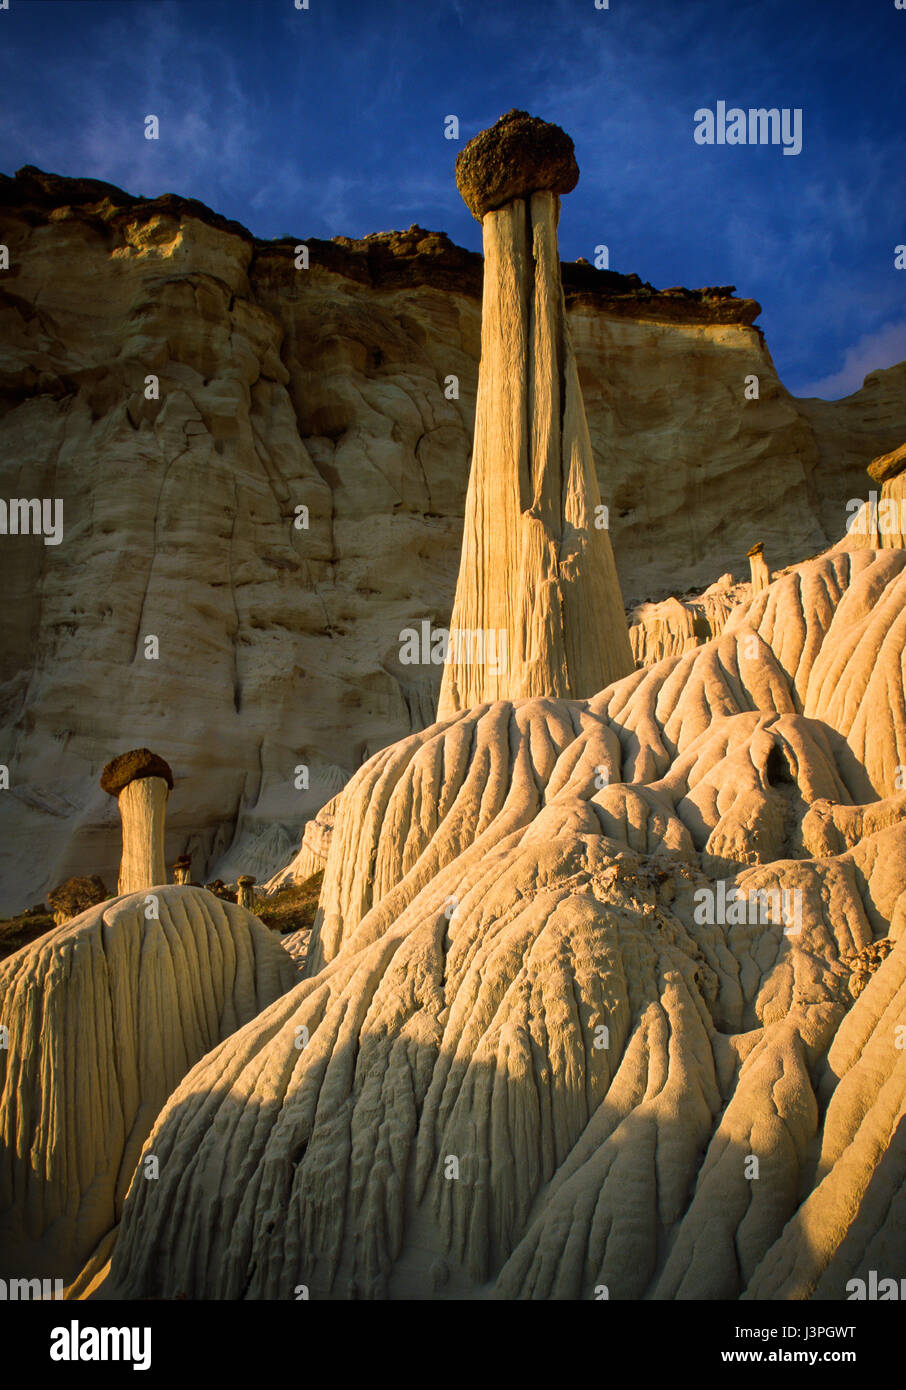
x=323, y=388
x=603, y=994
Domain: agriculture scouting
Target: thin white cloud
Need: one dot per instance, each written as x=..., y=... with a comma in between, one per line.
x=884, y=348
x=207, y=130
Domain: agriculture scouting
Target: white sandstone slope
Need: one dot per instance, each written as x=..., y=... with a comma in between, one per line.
x=105, y=1015
x=492, y=902
x=312, y=853
x=536, y=1054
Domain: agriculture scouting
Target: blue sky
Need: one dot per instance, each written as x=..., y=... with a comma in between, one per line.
x=330, y=122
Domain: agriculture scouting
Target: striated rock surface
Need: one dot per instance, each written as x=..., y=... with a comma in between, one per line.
x=537, y=599
x=105, y=1015
x=322, y=388
x=675, y=625
x=312, y=855
x=535, y=1062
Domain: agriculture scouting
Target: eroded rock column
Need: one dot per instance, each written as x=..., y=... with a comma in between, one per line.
x=890, y=525
x=759, y=574
x=141, y=783
x=182, y=869
x=538, y=608
x=245, y=885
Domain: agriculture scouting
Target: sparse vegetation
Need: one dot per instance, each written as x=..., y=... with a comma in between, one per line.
x=19, y=931
x=292, y=908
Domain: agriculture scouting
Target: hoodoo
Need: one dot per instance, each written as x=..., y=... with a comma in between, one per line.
x=246, y=891
x=182, y=869
x=141, y=783
x=889, y=530
x=759, y=573
x=537, y=577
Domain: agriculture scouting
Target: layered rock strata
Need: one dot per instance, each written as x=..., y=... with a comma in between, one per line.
x=328, y=388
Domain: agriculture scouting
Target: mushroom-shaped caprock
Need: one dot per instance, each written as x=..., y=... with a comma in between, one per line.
x=246, y=883
x=141, y=783
x=182, y=867
x=888, y=466
x=517, y=156
x=761, y=575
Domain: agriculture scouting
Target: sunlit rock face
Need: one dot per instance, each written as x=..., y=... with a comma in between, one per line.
x=578, y=966
x=604, y=992
x=877, y=521
x=328, y=388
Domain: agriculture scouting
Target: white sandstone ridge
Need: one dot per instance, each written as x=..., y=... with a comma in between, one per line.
x=542, y=1072
x=677, y=624
x=106, y=1014
x=312, y=854
x=326, y=388
x=537, y=566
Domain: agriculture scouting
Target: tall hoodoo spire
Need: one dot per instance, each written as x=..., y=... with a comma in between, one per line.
x=537, y=585
x=141, y=783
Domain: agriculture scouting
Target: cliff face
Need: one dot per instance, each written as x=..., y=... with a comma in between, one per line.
x=326, y=389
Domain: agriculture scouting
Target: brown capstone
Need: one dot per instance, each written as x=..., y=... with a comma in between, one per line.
x=517, y=156
x=138, y=762
x=888, y=465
